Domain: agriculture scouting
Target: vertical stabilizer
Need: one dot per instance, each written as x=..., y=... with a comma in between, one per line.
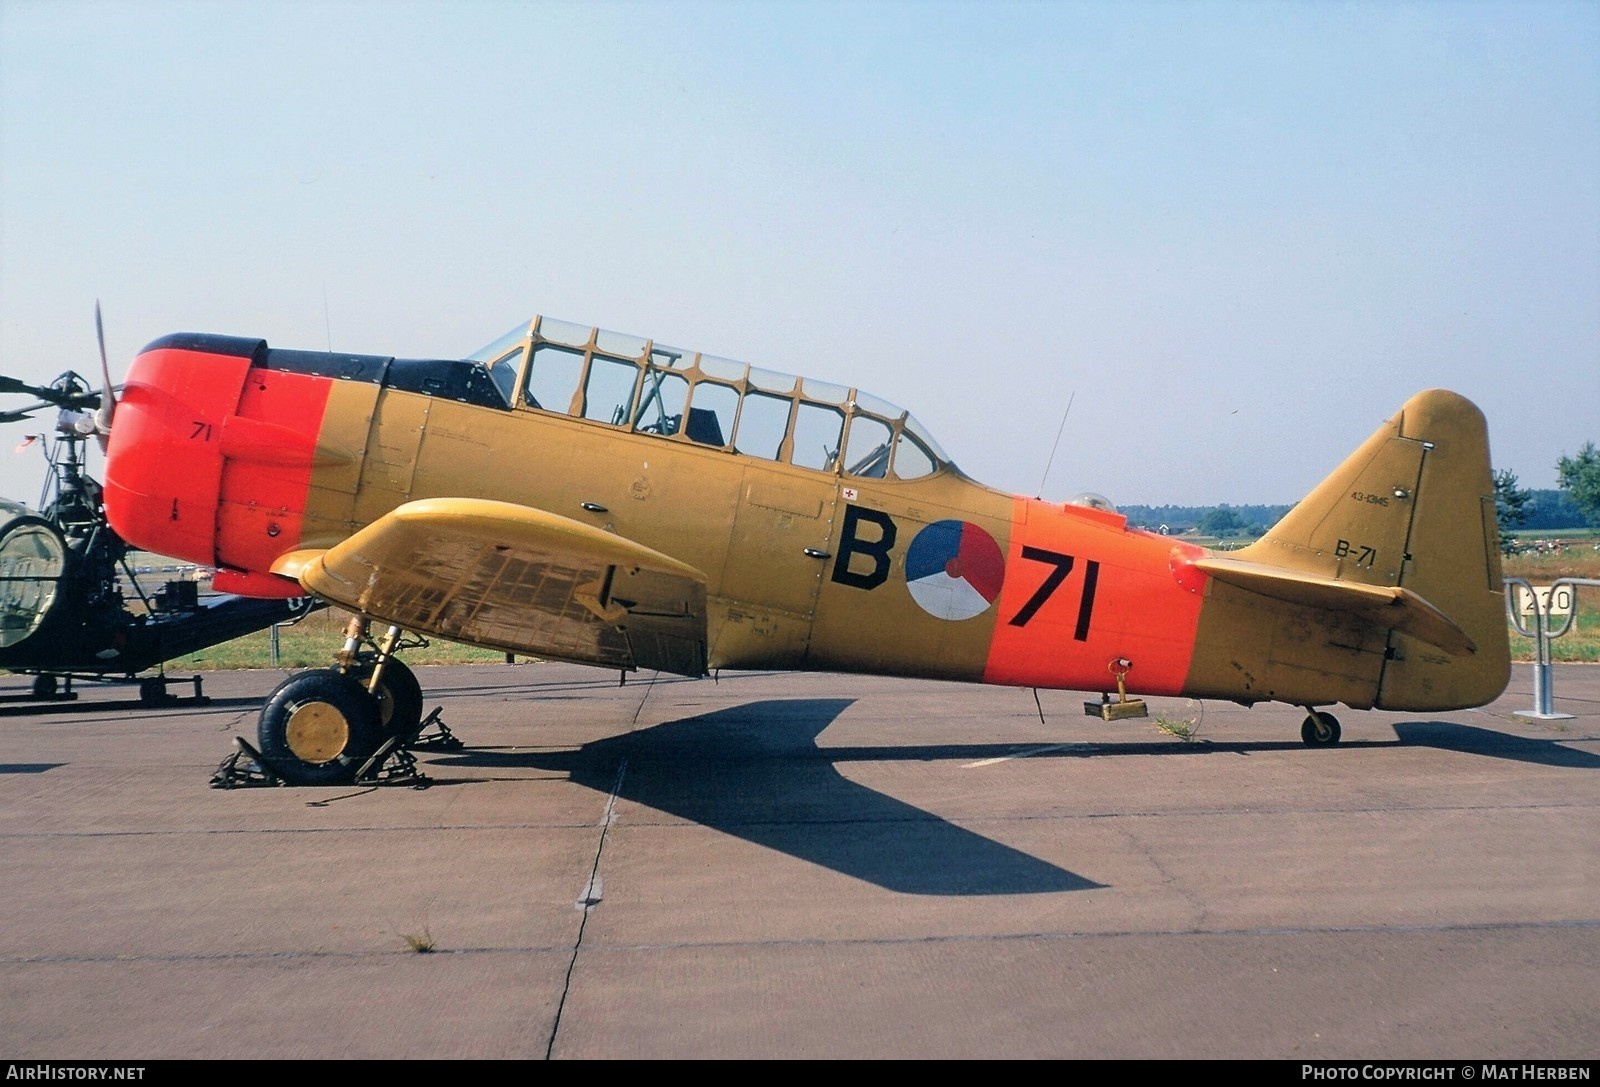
x=1413, y=507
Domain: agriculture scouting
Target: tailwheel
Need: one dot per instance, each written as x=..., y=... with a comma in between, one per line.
x=319, y=728
x=1319, y=729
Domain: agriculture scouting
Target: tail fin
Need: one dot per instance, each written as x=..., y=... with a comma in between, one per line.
x=1402, y=535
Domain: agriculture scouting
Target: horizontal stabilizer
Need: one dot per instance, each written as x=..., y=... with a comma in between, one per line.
x=1388, y=606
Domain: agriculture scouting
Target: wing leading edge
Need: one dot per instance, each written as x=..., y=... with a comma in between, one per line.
x=523, y=580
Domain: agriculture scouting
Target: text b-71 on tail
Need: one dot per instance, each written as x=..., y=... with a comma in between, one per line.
x=585, y=496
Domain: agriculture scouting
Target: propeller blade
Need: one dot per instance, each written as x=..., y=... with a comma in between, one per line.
x=108, y=401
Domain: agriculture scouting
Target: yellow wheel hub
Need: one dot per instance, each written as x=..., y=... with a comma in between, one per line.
x=317, y=732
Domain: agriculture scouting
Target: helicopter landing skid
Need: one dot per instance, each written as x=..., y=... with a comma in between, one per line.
x=52, y=692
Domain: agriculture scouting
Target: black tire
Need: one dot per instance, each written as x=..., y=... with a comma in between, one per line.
x=1320, y=730
x=45, y=685
x=319, y=728
x=399, y=698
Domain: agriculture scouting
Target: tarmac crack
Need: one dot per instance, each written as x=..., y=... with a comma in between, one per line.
x=880, y=941
x=594, y=891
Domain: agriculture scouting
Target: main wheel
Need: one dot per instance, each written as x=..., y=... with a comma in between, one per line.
x=1320, y=730
x=399, y=698
x=318, y=728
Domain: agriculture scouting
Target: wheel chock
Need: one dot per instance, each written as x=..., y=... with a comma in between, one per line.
x=245, y=766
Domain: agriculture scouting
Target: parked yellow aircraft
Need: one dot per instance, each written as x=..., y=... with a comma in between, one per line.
x=580, y=495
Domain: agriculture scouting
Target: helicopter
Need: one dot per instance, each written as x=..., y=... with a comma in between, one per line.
x=72, y=604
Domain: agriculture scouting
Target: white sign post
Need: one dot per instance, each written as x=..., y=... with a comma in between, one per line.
x=1538, y=603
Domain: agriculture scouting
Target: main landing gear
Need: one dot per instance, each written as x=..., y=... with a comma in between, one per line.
x=1319, y=729
x=342, y=725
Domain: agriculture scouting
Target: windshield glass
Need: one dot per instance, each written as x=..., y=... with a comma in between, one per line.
x=499, y=346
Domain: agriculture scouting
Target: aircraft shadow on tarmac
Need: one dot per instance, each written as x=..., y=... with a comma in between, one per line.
x=1470, y=740
x=755, y=772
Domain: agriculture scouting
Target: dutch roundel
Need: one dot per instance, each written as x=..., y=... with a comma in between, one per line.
x=954, y=569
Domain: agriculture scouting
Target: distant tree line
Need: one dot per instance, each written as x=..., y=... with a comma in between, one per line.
x=1551, y=509
x=1223, y=520
x=1575, y=505
x=1539, y=510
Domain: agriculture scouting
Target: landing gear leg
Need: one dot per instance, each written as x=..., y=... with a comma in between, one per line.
x=395, y=687
x=346, y=724
x=1319, y=729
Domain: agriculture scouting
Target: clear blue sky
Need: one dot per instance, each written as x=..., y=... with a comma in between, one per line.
x=1236, y=235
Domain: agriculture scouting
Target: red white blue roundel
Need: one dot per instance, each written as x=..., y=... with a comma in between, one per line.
x=954, y=569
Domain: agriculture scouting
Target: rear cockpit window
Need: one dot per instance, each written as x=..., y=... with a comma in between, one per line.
x=910, y=458
x=817, y=430
x=867, y=451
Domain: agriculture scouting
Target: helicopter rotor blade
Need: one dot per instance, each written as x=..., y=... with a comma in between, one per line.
x=48, y=396
x=17, y=414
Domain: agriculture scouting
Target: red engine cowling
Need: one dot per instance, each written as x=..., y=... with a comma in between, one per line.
x=210, y=458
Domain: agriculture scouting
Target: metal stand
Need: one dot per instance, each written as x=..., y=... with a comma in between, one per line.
x=1124, y=707
x=1543, y=635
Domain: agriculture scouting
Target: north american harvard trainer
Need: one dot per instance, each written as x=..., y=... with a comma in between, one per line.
x=580, y=495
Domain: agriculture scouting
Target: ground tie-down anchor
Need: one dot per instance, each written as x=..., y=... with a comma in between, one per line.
x=1124, y=707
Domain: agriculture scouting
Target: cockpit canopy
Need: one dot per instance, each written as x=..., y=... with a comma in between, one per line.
x=648, y=388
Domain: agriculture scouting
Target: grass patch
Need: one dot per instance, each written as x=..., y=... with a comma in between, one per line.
x=420, y=942
x=1576, y=557
x=1176, y=726
x=311, y=643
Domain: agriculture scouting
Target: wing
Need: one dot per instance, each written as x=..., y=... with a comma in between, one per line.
x=510, y=577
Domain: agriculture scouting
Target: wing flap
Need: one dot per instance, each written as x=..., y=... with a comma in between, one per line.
x=1389, y=606
x=510, y=577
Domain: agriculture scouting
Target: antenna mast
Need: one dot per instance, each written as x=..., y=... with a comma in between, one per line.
x=1053, y=448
